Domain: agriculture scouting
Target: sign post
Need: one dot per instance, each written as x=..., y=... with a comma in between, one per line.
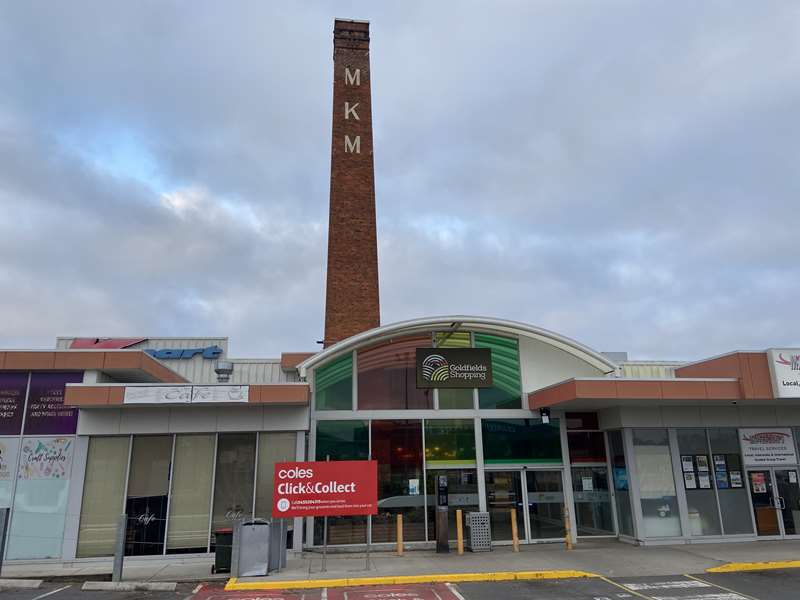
x=322, y=489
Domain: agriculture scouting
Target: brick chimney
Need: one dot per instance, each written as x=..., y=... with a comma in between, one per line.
x=351, y=298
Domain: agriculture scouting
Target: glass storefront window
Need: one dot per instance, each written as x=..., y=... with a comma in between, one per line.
x=734, y=503
x=698, y=476
x=659, y=501
x=586, y=447
x=233, y=484
x=342, y=440
x=449, y=442
x=455, y=398
x=516, y=441
x=592, y=501
x=504, y=492
x=506, y=391
x=272, y=448
x=333, y=385
x=190, y=501
x=103, y=495
x=619, y=472
x=9, y=448
x=462, y=494
x=397, y=446
x=40, y=500
x=545, y=504
x=387, y=376
x=148, y=487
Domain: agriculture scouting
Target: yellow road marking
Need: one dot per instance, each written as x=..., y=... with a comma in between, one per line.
x=755, y=566
x=622, y=587
x=716, y=585
x=235, y=584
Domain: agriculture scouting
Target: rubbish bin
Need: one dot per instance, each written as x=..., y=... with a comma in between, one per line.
x=250, y=555
x=223, y=542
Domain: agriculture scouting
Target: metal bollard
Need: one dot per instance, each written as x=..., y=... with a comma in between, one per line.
x=119, y=548
x=399, y=535
x=459, y=532
x=514, y=532
x=567, y=528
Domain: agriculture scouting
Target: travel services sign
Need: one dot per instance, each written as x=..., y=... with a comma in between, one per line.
x=784, y=365
x=454, y=368
x=767, y=446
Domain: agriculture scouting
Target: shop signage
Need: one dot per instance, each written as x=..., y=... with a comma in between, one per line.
x=46, y=413
x=209, y=353
x=320, y=489
x=767, y=446
x=8, y=458
x=12, y=401
x=186, y=394
x=454, y=368
x=784, y=365
x=45, y=458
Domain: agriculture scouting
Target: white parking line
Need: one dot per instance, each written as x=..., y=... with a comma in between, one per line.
x=721, y=587
x=61, y=589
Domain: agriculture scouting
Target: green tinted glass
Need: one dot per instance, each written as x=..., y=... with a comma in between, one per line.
x=521, y=441
x=454, y=398
x=342, y=440
x=449, y=441
x=334, y=385
x=507, y=389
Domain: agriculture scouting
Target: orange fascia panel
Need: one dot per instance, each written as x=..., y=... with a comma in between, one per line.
x=116, y=395
x=643, y=390
x=290, y=360
x=723, y=390
x=30, y=361
x=2, y=360
x=86, y=396
x=683, y=390
x=123, y=359
x=297, y=394
x=758, y=371
x=596, y=389
x=79, y=360
x=723, y=366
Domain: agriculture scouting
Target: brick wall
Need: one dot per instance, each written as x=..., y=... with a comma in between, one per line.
x=351, y=300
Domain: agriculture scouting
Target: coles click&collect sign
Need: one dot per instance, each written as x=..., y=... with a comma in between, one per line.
x=319, y=489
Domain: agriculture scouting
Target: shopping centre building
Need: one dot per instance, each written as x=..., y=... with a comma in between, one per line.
x=183, y=438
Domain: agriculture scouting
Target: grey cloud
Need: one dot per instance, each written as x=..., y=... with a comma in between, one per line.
x=625, y=174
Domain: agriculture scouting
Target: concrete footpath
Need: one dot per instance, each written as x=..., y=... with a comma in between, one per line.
x=607, y=558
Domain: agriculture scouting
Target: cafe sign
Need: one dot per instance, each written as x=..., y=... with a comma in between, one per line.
x=767, y=446
x=454, y=368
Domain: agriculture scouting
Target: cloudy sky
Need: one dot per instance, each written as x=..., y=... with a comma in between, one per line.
x=625, y=173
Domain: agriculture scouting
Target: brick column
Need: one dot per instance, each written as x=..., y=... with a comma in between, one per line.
x=351, y=300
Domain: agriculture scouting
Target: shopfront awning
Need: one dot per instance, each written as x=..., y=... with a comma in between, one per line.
x=590, y=393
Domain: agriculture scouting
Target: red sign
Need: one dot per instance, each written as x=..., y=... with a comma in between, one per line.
x=320, y=489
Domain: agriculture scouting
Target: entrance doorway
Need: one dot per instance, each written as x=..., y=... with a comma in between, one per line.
x=776, y=501
x=538, y=498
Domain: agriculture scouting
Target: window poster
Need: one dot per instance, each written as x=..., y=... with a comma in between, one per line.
x=702, y=462
x=46, y=458
x=620, y=479
x=587, y=483
x=413, y=487
x=736, y=479
x=722, y=480
x=689, y=481
x=46, y=413
x=12, y=402
x=719, y=462
x=704, y=481
x=792, y=476
x=759, y=483
x=687, y=463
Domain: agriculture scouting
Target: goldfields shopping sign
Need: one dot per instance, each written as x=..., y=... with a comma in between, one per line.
x=325, y=489
x=454, y=367
x=784, y=366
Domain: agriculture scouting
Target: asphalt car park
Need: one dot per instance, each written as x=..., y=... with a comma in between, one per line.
x=748, y=585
